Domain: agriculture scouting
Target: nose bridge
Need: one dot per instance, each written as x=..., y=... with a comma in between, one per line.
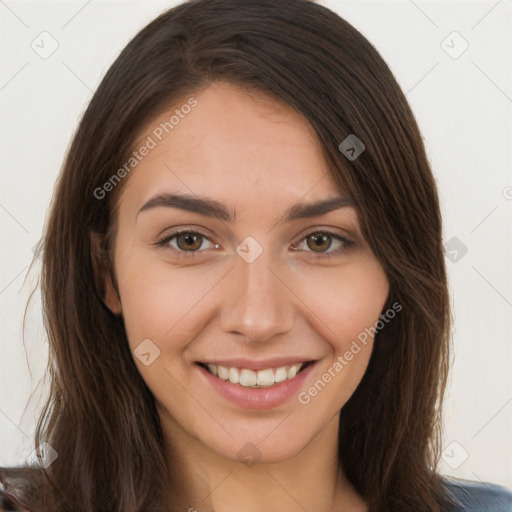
x=257, y=303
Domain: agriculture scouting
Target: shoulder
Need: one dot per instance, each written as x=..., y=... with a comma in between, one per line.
x=479, y=496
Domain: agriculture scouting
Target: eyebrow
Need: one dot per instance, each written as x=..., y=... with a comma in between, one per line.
x=213, y=208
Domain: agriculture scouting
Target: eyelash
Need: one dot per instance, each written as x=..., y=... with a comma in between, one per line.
x=162, y=242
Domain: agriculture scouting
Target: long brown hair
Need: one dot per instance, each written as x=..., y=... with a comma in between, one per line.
x=100, y=417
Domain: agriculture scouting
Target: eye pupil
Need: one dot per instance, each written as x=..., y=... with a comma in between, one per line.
x=189, y=238
x=320, y=241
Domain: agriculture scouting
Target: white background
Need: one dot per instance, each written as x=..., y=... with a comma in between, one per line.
x=464, y=109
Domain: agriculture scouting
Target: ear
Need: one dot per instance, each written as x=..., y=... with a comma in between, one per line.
x=103, y=278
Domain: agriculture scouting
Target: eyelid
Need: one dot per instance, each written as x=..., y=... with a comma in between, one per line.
x=164, y=241
x=347, y=241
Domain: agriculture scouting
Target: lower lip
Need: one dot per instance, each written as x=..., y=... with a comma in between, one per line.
x=258, y=398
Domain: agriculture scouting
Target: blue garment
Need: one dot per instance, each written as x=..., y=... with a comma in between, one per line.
x=479, y=497
x=469, y=496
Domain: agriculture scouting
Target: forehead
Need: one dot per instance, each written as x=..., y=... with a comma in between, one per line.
x=232, y=145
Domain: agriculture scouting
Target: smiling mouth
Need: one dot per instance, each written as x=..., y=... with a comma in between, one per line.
x=264, y=378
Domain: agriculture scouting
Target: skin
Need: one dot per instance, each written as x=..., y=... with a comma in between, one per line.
x=258, y=157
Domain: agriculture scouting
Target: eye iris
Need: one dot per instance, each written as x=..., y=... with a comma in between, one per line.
x=319, y=242
x=189, y=238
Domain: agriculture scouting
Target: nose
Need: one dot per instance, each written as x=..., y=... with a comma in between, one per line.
x=257, y=301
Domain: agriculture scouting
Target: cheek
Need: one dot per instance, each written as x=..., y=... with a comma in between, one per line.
x=349, y=302
x=346, y=300
x=161, y=303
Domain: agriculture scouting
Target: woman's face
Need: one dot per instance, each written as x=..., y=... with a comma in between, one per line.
x=258, y=284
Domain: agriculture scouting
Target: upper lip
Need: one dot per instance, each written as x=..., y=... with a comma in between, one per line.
x=257, y=364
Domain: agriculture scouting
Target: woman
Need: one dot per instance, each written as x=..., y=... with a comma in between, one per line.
x=244, y=282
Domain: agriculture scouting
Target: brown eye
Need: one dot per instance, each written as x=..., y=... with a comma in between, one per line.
x=189, y=241
x=324, y=244
x=186, y=243
x=319, y=242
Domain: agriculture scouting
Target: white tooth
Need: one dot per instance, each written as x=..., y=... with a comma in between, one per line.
x=265, y=377
x=280, y=375
x=247, y=378
x=293, y=370
x=222, y=372
x=234, y=375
